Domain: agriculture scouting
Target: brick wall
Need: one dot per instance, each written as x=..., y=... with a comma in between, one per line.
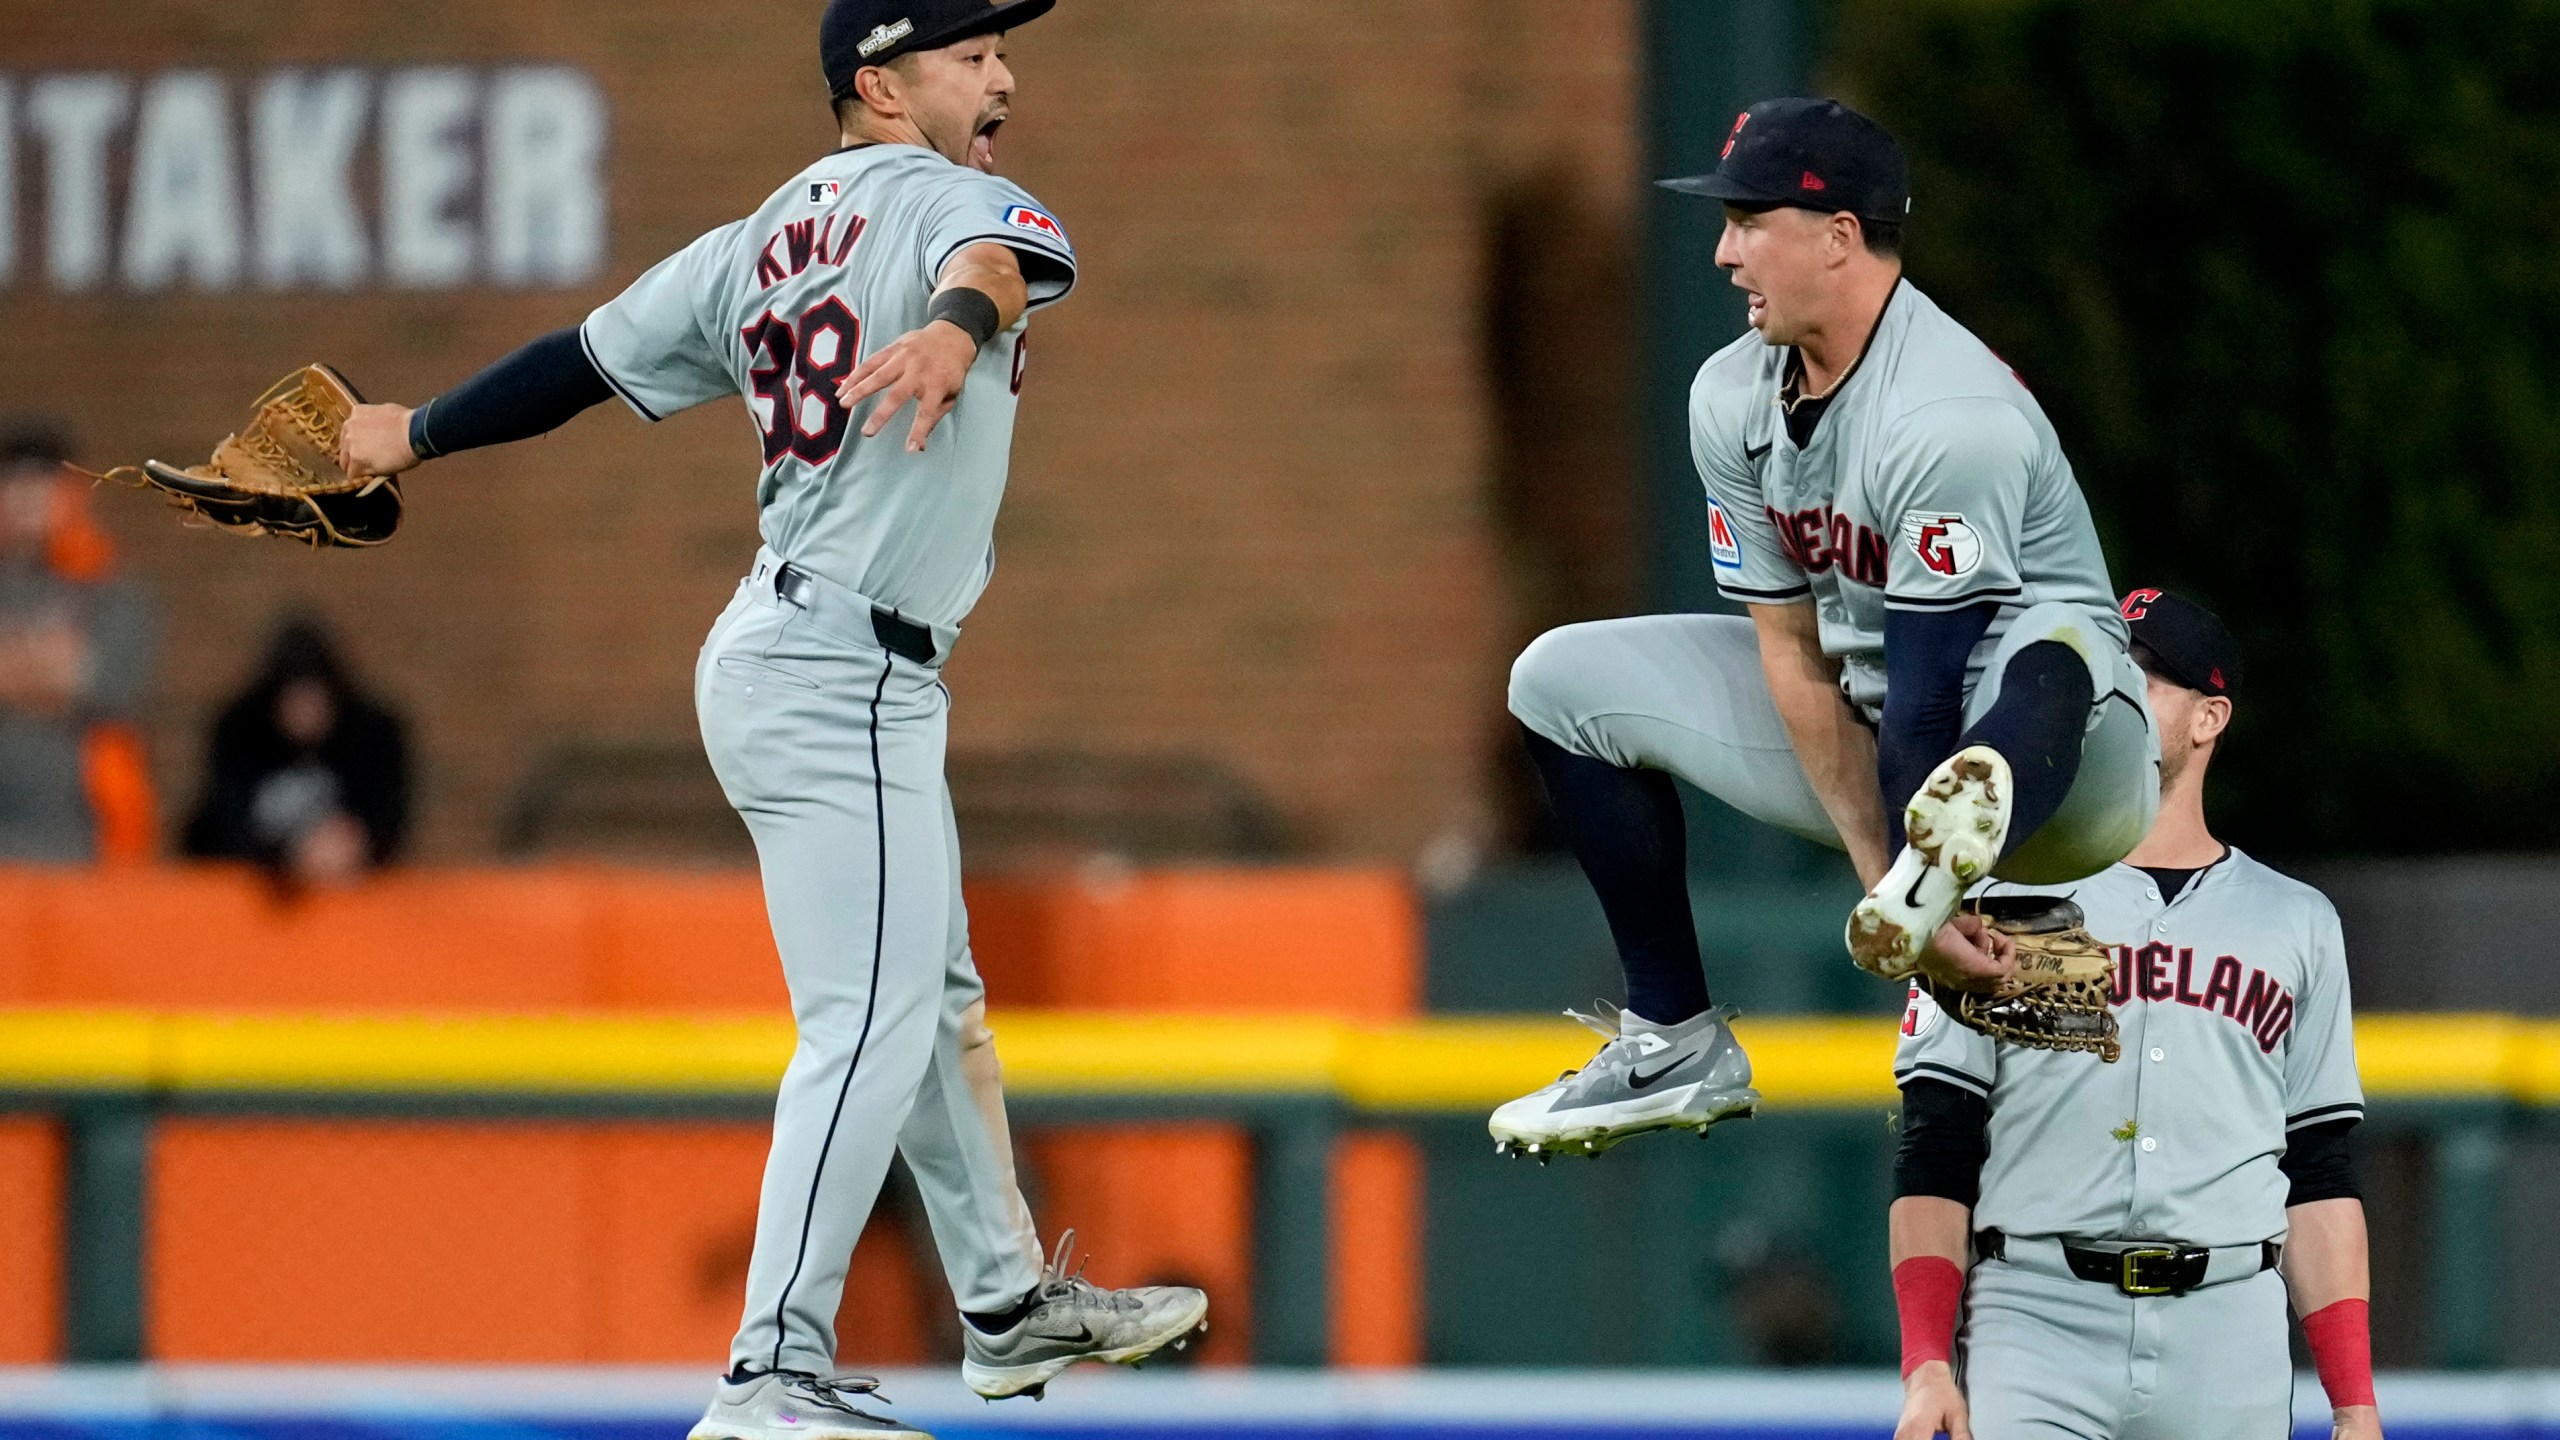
x=1274, y=501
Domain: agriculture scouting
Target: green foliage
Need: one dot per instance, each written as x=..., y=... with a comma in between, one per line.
x=2286, y=275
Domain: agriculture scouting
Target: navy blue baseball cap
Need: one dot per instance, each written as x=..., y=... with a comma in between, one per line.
x=858, y=33
x=2187, y=643
x=1815, y=154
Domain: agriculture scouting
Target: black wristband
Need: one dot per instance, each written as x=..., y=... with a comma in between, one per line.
x=419, y=444
x=974, y=311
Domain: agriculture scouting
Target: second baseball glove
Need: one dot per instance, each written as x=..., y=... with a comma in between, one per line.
x=2057, y=999
x=279, y=474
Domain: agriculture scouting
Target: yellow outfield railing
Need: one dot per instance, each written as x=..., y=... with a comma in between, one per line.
x=1418, y=1066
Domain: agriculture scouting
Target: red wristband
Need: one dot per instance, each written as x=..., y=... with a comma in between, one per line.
x=1926, y=1291
x=2341, y=1340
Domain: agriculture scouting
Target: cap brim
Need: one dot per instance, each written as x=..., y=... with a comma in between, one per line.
x=1003, y=15
x=1717, y=186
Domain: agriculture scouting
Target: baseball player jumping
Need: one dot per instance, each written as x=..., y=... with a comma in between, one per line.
x=895, y=272
x=2133, y=1229
x=1932, y=656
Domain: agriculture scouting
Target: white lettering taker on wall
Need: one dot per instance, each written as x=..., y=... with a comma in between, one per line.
x=303, y=138
x=74, y=115
x=545, y=132
x=195, y=179
x=426, y=168
x=183, y=214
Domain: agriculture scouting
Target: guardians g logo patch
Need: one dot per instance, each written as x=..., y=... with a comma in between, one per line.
x=1944, y=543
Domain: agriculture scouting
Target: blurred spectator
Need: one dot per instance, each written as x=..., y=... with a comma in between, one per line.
x=307, y=775
x=75, y=656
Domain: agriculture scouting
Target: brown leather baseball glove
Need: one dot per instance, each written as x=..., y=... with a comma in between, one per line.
x=2057, y=999
x=279, y=474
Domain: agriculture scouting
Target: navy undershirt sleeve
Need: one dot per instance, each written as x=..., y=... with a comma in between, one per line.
x=1946, y=1136
x=2318, y=1165
x=533, y=391
x=1924, y=660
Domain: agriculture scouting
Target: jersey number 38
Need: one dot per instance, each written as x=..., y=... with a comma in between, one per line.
x=793, y=371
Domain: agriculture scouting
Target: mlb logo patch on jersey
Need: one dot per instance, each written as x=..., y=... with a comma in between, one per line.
x=1023, y=217
x=1944, y=543
x=1721, y=546
x=1921, y=1014
x=824, y=192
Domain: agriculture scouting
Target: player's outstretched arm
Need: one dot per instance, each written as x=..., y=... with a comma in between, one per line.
x=978, y=296
x=532, y=391
x=2327, y=1269
x=1928, y=1240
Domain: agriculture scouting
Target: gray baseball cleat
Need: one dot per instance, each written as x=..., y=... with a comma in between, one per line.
x=1646, y=1077
x=1074, y=1320
x=795, y=1404
x=1956, y=826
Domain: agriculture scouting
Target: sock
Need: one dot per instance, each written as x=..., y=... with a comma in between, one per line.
x=996, y=1322
x=2036, y=725
x=1625, y=828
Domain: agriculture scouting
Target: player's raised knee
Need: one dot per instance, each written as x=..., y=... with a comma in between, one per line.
x=1551, y=681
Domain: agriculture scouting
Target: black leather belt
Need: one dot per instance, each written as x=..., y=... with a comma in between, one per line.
x=898, y=635
x=2139, y=1270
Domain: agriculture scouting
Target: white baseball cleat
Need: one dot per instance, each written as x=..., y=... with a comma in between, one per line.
x=795, y=1405
x=1646, y=1077
x=1955, y=827
x=1078, y=1320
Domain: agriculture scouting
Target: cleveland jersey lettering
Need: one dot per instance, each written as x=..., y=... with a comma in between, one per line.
x=1933, y=482
x=2233, y=1004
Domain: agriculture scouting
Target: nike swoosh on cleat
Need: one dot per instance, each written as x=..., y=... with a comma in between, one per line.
x=1638, y=1080
x=1911, y=897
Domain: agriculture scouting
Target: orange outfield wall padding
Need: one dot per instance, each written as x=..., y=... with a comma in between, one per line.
x=30, y=1242
x=21, y=894
x=418, y=1207
x=217, y=936
x=1337, y=942
x=1377, y=1242
x=527, y=1244
x=680, y=942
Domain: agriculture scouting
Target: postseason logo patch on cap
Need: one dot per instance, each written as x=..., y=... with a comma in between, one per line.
x=884, y=36
x=1721, y=546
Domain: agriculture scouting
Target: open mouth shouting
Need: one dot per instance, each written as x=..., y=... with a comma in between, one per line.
x=982, y=145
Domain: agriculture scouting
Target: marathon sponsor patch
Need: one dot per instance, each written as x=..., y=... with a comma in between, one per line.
x=1944, y=542
x=1920, y=1015
x=1038, y=222
x=1721, y=546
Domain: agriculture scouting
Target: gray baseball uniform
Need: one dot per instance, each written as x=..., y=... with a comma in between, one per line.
x=2233, y=1002
x=823, y=710
x=1932, y=483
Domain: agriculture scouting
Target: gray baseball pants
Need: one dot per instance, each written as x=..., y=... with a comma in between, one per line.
x=831, y=749
x=2051, y=1357
x=1686, y=694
